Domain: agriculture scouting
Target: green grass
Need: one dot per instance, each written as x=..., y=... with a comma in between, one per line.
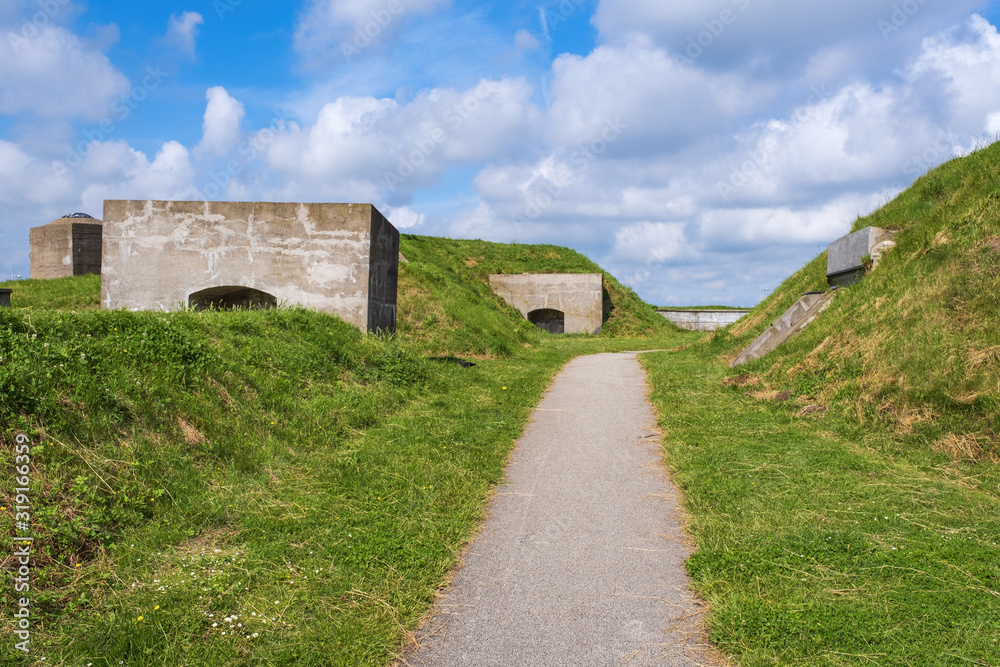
x=446, y=304
x=817, y=545
x=279, y=466
x=76, y=293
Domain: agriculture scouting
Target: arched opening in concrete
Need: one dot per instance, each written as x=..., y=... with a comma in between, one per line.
x=231, y=298
x=553, y=321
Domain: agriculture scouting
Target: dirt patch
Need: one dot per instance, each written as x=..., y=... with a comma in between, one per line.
x=192, y=436
x=776, y=396
x=742, y=381
x=812, y=410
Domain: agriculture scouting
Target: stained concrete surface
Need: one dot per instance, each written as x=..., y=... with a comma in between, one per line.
x=579, y=296
x=581, y=559
x=334, y=258
x=844, y=265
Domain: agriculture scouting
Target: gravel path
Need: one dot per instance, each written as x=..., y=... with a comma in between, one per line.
x=581, y=559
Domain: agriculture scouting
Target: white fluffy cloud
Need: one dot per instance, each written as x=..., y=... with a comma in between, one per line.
x=778, y=35
x=394, y=148
x=402, y=217
x=655, y=242
x=182, y=31
x=221, y=131
x=55, y=74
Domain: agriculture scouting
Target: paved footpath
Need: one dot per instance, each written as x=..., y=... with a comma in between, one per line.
x=581, y=559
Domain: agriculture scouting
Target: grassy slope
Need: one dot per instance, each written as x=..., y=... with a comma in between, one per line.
x=868, y=533
x=278, y=466
x=446, y=284
x=915, y=346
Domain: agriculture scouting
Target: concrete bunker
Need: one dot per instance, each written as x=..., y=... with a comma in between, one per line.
x=850, y=257
x=549, y=319
x=5, y=297
x=168, y=255
x=555, y=302
x=69, y=246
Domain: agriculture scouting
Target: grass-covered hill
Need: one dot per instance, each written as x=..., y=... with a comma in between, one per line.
x=915, y=346
x=844, y=490
x=446, y=304
x=268, y=487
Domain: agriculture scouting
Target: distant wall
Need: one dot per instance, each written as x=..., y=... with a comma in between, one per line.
x=703, y=320
x=579, y=296
x=334, y=258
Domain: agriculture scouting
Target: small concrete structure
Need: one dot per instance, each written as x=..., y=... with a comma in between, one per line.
x=703, y=320
x=844, y=265
x=5, y=298
x=556, y=302
x=794, y=320
x=69, y=246
x=334, y=258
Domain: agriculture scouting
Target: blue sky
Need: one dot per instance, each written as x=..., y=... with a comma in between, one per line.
x=700, y=150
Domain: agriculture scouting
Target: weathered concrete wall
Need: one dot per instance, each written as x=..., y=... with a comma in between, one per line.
x=791, y=322
x=335, y=258
x=66, y=247
x=844, y=265
x=579, y=296
x=703, y=320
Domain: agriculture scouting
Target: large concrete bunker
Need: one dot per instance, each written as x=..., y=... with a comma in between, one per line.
x=69, y=246
x=169, y=255
x=555, y=302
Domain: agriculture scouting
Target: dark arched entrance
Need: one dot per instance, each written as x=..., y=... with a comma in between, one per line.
x=553, y=321
x=231, y=298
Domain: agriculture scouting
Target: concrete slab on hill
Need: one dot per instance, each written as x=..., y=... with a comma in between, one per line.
x=792, y=321
x=581, y=561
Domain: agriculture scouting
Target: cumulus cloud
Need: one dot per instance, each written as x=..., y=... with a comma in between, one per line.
x=402, y=217
x=780, y=36
x=652, y=242
x=395, y=148
x=221, y=130
x=55, y=74
x=182, y=31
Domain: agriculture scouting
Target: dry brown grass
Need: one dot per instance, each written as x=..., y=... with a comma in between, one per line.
x=961, y=447
x=748, y=380
x=778, y=396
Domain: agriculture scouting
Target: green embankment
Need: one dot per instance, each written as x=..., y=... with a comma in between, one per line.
x=844, y=490
x=271, y=487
